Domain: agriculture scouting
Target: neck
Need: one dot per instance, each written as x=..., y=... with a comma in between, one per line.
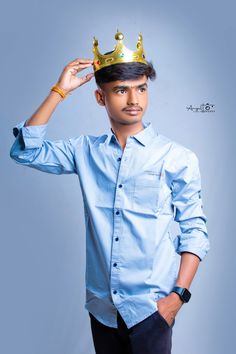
x=123, y=131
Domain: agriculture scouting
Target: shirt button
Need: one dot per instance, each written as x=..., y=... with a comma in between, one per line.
x=120, y=186
x=114, y=264
x=119, y=159
x=117, y=239
x=114, y=292
x=117, y=212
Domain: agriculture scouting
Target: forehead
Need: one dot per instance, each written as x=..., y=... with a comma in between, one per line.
x=126, y=83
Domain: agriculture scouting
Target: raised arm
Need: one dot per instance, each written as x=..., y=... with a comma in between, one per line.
x=30, y=148
x=68, y=81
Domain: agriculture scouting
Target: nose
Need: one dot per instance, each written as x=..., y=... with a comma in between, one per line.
x=132, y=98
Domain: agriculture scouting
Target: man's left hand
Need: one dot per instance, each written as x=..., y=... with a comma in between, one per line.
x=169, y=306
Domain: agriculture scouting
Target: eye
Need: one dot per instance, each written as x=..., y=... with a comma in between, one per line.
x=121, y=91
x=142, y=89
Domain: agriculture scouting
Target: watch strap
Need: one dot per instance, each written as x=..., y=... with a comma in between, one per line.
x=183, y=293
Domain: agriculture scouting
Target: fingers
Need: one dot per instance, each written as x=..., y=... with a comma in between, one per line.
x=78, y=64
x=75, y=69
x=82, y=61
x=86, y=78
x=82, y=66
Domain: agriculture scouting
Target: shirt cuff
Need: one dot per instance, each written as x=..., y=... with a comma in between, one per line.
x=32, y=135
x=200, y=250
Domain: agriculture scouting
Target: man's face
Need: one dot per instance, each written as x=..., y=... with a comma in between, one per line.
x=125, y=101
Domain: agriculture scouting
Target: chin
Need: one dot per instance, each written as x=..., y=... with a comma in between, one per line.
x=126, y=120
x=130, y=120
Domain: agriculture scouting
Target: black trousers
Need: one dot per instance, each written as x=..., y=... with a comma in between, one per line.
x=153, y=335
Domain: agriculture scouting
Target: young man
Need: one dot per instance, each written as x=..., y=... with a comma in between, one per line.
x=134, y=182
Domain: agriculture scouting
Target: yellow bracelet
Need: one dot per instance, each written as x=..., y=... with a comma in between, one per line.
x=57, y=89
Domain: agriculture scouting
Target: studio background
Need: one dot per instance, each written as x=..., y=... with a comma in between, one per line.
x=42, y=260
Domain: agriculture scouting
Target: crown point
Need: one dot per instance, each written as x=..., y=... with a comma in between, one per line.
x=119, y=36
x=95, y=42
x=140, y=37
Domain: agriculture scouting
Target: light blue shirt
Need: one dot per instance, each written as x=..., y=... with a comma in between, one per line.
x=130, y=197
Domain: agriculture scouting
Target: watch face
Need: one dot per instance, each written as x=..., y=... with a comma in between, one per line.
x=183, y=293
x=186, y=295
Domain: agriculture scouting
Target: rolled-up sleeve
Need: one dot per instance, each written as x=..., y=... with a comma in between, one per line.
x=187, y=201
x=32, y=150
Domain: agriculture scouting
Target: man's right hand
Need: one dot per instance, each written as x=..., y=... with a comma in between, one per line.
x=68, y=80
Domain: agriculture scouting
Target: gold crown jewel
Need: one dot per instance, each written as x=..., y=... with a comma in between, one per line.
x=120, y=54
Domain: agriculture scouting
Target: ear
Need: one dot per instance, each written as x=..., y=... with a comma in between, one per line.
x=100, y=97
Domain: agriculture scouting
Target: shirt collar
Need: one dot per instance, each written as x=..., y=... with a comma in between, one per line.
x=145, y=136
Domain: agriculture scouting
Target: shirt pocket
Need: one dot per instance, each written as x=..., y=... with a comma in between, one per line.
x=105, y=191
x=147, y=191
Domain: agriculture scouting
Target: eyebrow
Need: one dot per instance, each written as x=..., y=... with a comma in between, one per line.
x=124, y=86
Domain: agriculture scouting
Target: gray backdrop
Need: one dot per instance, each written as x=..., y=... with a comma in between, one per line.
x=192, y=46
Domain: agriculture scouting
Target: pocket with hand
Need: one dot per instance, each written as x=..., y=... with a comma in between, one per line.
x=170, y=325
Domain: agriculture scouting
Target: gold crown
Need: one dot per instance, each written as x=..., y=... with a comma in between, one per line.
x=120, y=54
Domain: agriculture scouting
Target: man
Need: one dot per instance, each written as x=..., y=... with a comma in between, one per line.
x=134, y=183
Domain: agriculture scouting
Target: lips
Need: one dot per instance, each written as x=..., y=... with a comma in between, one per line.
x=133, y=110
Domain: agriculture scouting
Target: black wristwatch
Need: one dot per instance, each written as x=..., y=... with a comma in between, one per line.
x=183, y=293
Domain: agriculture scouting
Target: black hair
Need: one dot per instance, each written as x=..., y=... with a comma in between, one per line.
x=124, y=71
